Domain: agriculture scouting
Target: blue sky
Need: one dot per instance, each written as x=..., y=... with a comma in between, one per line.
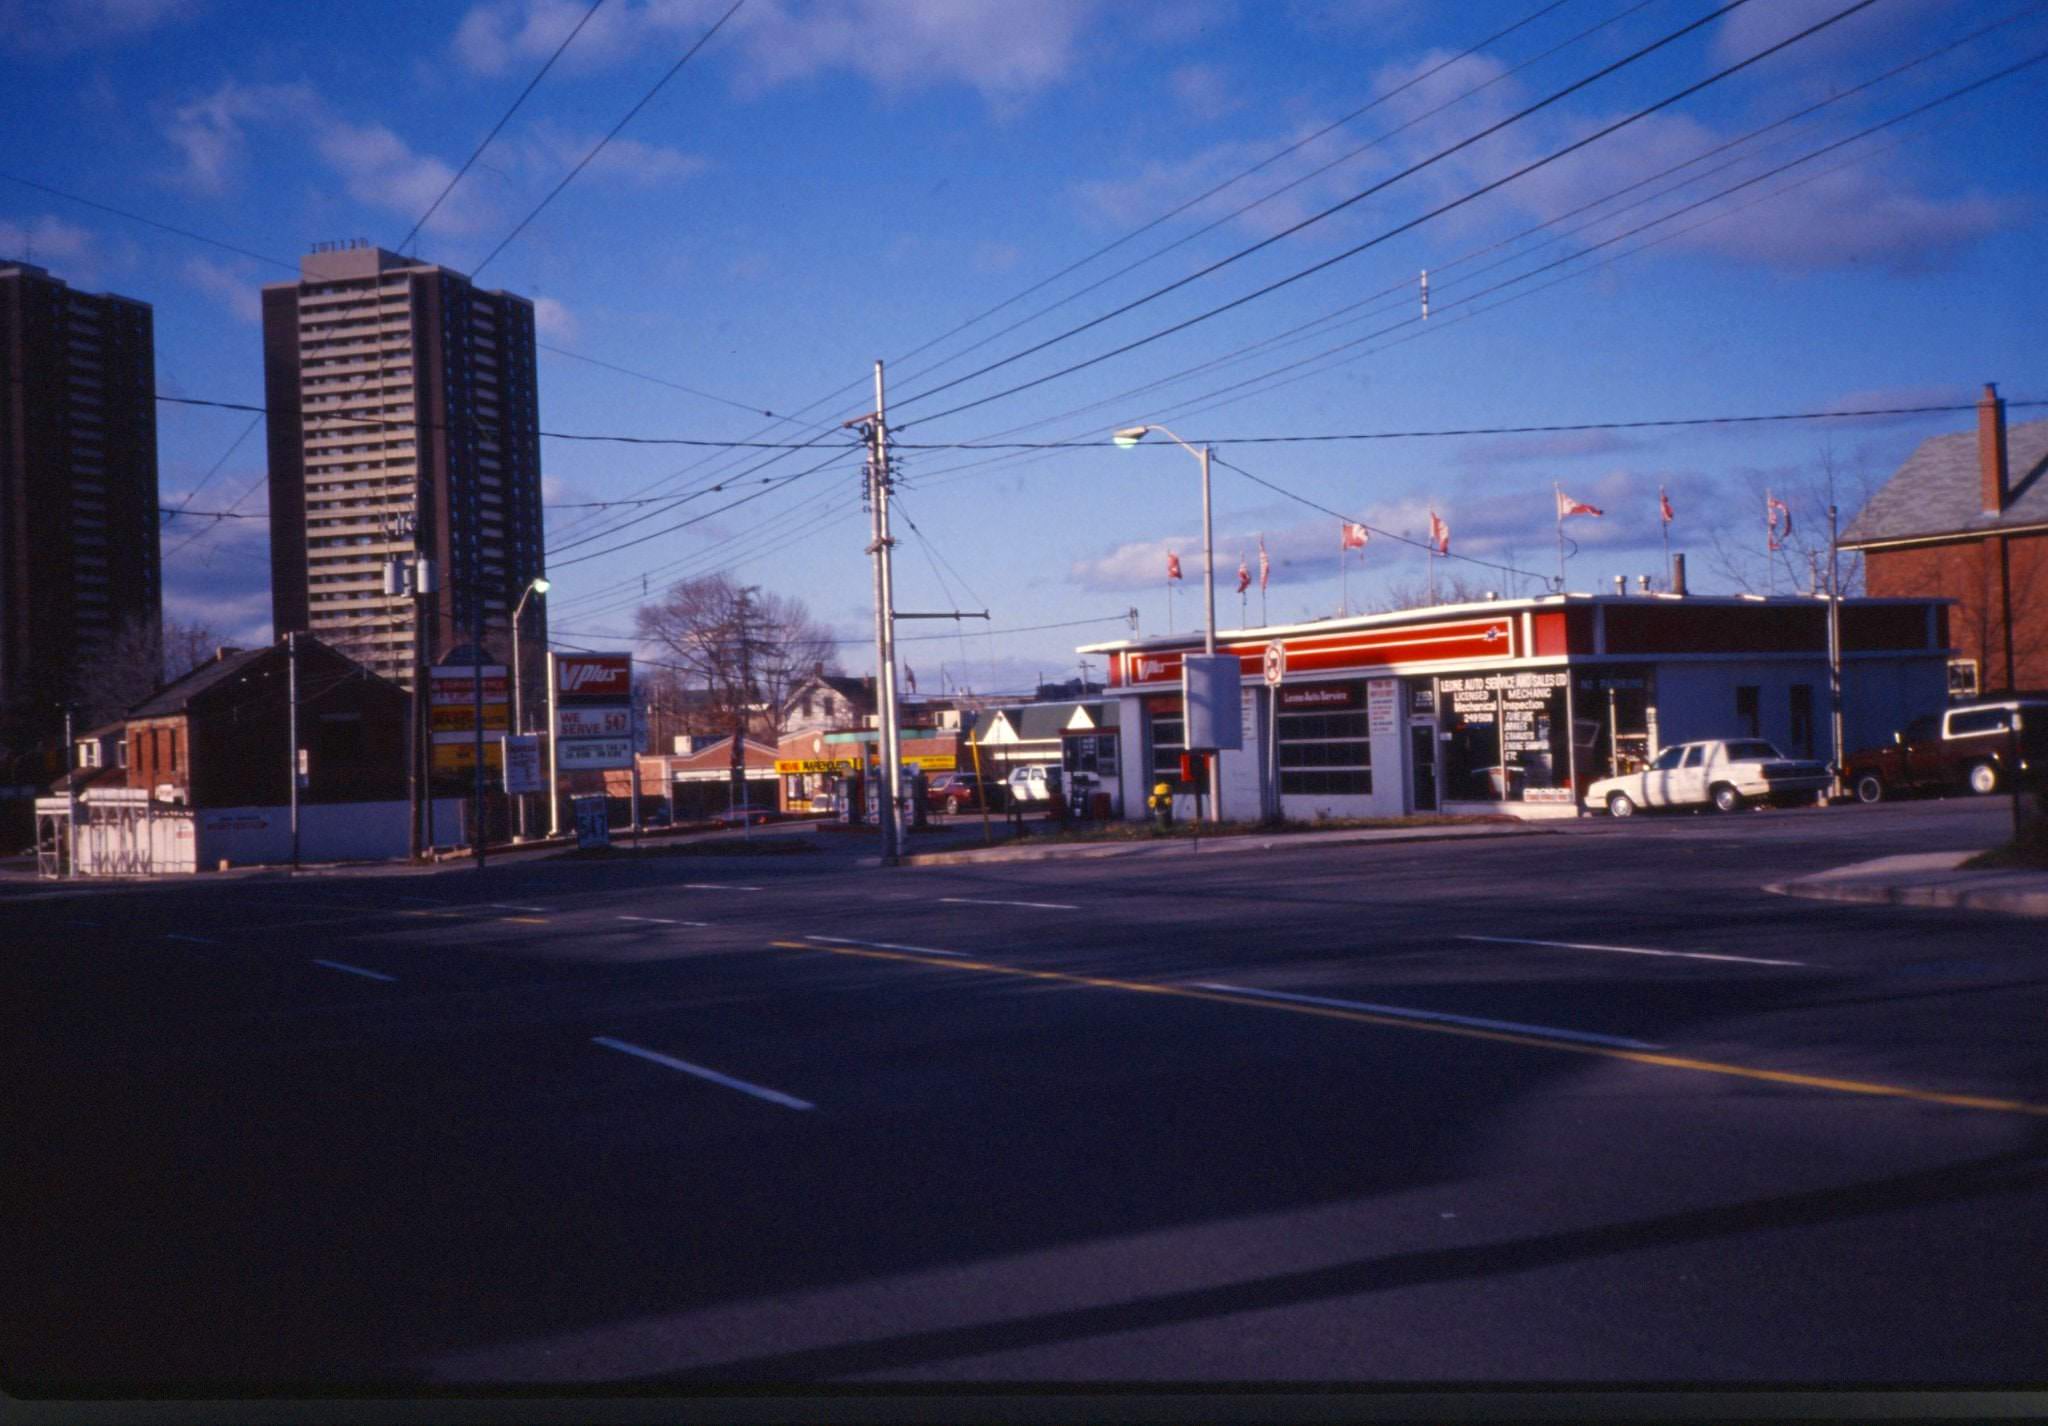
x=833, y=182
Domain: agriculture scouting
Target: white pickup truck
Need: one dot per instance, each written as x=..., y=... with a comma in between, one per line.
x=1725, y=775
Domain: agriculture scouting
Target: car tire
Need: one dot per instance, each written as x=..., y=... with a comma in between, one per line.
x=1870, y=788
x=1983, y=779
x=1726, y=798
x=1619, y=805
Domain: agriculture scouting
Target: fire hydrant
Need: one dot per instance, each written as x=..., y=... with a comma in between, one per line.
x=1161, y=803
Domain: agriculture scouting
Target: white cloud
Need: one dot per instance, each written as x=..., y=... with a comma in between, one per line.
x=232, y=284
x=1204, y=91
x=1004, y=51
x=49, y=28
x=209, y=131
x=548, y=151
x=552, y=319
x=65, y=248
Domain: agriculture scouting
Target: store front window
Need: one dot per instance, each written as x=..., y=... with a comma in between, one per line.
x=1506, y=737
x=1325, y=743
x=1167, y=735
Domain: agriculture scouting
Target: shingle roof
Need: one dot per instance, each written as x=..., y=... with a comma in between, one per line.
x=177, y=695
x=1939, y=490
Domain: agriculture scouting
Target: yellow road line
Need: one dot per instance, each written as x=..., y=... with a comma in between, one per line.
x=1643, y=1057
x=526, y=920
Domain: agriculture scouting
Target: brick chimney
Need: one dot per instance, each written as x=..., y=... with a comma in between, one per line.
x=1991, y=449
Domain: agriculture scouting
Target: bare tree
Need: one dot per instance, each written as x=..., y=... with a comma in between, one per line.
x=137, y=661
x=743, y=651
x=1748, y=563
x=1451, y=588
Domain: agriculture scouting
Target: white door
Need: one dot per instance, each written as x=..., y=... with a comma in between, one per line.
x=1659, y=779
x=1691, y=783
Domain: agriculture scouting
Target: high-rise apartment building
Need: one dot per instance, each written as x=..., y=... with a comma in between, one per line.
x=403, y=419
x=78, y=484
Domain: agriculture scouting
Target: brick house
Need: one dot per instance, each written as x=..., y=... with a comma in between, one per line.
x=1966, y=518
x=218, y=736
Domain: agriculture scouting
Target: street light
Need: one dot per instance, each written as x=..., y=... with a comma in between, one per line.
x=536, y=586
x=1126, y=438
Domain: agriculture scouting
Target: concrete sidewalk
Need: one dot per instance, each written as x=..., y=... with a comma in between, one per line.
x=1207, y=846
x=1926, y=879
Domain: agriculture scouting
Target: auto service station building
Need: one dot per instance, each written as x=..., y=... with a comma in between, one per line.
x=1515, y=705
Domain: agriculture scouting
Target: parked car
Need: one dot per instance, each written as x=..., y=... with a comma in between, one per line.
x=1722, y=774
x=654, y=815
x=960, y=792
x=1036, y=783
x=1968, y=747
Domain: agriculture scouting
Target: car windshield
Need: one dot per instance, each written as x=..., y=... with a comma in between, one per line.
x=1668, y=759
x=1750, y=749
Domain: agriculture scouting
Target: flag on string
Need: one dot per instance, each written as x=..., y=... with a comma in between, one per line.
x=1265, y=565
x=1244, y=575
x=1777, y=521
x=1172, y=565
x=910, y=674
x=1664, y=506
x=1439, y=534
x=1355, y=537
x=1568, y=506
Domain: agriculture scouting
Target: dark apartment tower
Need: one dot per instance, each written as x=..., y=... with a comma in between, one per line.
x=400, y=397
x=78, y=489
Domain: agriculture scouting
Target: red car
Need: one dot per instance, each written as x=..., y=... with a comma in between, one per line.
x=960, y=792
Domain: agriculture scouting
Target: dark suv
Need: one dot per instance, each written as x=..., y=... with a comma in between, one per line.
x=1968, y=747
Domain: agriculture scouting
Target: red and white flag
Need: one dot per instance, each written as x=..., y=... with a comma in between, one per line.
x=1439, y=534
x=1355, y=537
x=1265, y=565
x=1244, y=575
x=1777, y=521
x=1664, y=506
x=1172, y=565
x=1568, y=506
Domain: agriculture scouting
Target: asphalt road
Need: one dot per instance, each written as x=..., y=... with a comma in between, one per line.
x=1583, y=1108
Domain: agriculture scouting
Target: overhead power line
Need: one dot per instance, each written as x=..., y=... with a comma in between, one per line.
x=478, y=153
x=1556, y=96
x=599, y=146
x=1393, y=232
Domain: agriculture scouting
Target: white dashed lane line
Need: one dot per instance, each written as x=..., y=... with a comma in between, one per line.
x=773, y=1096
x=355, y=970
x=881, y=945
x=1403, y=1012
x=1034, y=905
x=663, y=921
x=1631, y=950
x=195, y=940
x=716, y=886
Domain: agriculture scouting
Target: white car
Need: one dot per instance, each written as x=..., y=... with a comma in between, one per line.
x=1034, y=784
x=1726, y=775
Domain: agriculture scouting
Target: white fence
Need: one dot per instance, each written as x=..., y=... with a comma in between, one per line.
x=120, y=832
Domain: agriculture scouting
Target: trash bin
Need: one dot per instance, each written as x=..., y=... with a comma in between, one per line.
x=1098, y=806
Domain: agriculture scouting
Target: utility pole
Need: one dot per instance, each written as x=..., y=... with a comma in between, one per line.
x=291, y=661
x=878, y=480
x=1835, y=646
x=739, y=708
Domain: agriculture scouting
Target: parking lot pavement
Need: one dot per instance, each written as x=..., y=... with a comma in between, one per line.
x=1579, y=1109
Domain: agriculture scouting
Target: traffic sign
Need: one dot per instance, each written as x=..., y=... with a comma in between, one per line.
x=1276, y=663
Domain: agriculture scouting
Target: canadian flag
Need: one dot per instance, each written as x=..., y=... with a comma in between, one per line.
x=1774, y=510
x=1664, y=506
x=1568, y=506
x=1355, y=537
x=1265, y=565
x=1439, y=534
x=1244, y=575
x=1172, y=565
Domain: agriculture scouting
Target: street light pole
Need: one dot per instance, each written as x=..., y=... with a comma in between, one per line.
x=541, y=587
x=1130, y=436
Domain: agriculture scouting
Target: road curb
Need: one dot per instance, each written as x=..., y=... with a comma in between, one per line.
x=2006, y=902
x=1207, y=846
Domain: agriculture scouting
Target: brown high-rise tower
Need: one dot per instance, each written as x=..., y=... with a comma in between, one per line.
x=78, y=485
x=400, y=395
